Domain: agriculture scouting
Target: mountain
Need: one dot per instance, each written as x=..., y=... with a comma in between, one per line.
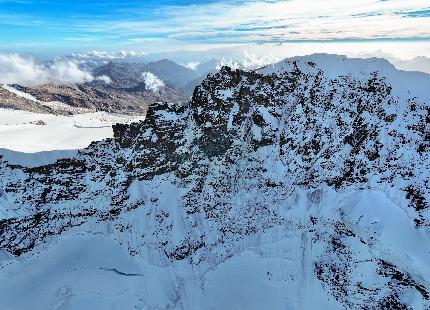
x=171, y=72
x=301, y=185
x=419, y=63
x=191, y=85
x=71, y=99
x=202, y=70
x=415, y=64
x=10, y=99
x=122, y=74
x=130, y=74
x=207, y=67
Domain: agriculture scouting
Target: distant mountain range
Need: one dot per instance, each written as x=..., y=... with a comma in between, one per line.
x=415, y=64
x=118, y=86
x=126, y=74
x=71, y=99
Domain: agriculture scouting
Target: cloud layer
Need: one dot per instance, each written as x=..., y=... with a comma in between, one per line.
x=24, y=70
x=177, y=24
x=249, y=61
x=278, y=21
x=108, y=55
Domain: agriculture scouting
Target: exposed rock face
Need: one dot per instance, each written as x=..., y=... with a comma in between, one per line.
x=9, y=100
x=313, y=169
x=103, y=98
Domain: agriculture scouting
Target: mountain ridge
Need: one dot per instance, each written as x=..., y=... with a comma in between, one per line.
x=278, y=169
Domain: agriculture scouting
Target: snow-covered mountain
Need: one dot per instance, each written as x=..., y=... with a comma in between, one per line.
x=302, y=185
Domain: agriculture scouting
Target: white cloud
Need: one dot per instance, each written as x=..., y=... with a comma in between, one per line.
x=152, y=82
x=144, y=40
x=249, y=61
x=24, y=70
x=82, y=39
x=92, y=59
x=107, y=54
x=192, y=65
x=67, y=72
x=278, y=21
x=104, y=78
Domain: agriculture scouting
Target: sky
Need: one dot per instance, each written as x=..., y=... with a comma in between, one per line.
x=58, y=27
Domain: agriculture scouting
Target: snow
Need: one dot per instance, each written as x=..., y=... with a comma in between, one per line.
x=92, y=268
x=334, y=66
x=20, y=131
x=82, y=271
x=256, y=131
x=167, y=116
x=37, y=158
x=233, y=112
x=19, y=93
x=374, y=212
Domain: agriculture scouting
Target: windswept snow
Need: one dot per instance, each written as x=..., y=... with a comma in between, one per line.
x=83, y=271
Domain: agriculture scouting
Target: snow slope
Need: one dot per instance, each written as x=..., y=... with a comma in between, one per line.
x=296, y=186
x=33, y=132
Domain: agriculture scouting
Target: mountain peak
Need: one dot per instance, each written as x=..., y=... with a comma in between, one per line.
x=332, y=64
x=310, y=183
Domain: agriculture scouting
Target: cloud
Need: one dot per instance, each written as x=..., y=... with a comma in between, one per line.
x=276, y=21
x=82, y=39
x=144, y=40
x=152, y=82
x=92, y=59
x=107, y=54
x=249, y=61
x=104, y=78
x=160, y=26
x=192, y=65
x=67, y=72
x=24, y=70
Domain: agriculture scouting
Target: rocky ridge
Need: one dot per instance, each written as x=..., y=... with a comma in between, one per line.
x=283, y=161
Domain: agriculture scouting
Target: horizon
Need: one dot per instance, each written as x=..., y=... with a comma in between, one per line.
x=75, y=36
x=174, y=26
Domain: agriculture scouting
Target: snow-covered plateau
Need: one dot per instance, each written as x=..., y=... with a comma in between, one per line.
x=302, y=185
x=36, y=132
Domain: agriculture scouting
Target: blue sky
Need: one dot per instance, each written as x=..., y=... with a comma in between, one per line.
x=65, y=26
